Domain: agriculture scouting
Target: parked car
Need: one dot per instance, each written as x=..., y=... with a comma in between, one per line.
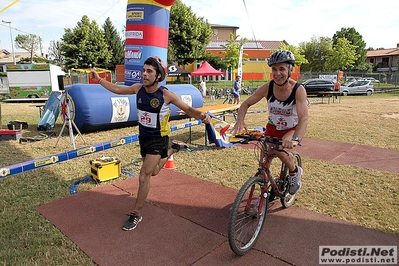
x=350, y=79
x=315, y=86
x=372, y=79
x=358, y=87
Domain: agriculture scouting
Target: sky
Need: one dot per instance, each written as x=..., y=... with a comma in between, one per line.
x=294, y=21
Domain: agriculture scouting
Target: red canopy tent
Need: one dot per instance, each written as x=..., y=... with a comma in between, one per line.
x=207, y=70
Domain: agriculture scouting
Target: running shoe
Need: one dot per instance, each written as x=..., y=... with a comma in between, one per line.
x=132, y=222
x=295, y=181
x=178, y=145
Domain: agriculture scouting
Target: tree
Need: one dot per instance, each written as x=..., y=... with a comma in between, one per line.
x=55, y=53
x=342, y=56
x=115, y=45
x=355, y=39
x=216, y=61
x=231, y=51
x=188, y=35
x=84, y=46
x=28, y=42
x=316, y=52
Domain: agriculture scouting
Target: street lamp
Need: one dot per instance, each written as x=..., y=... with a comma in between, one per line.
x=12, y=42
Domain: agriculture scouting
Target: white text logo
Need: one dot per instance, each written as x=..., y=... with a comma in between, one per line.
x=135, y=34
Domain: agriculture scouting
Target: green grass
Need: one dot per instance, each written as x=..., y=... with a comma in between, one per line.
x=365, y=197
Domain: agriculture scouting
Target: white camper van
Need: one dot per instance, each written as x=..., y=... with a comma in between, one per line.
x=33, y=80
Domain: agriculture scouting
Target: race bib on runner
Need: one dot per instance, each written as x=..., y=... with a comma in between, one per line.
x=147, y=119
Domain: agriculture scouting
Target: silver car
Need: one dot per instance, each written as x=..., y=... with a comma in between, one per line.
x=358, y=87
x=371, y=79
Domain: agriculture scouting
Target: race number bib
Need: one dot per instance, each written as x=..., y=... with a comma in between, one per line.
x=283, y=123
x=147, y=119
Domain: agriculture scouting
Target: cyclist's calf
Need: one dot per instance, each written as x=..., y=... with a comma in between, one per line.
x=287, y=158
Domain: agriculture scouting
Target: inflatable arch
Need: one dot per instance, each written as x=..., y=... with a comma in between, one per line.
x=147, y=28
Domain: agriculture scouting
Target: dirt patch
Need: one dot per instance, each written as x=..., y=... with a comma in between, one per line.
x=393, y=115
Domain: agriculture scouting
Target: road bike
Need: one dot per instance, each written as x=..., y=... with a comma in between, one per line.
x=250, y=206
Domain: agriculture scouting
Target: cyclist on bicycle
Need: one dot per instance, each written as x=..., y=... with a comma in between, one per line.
x=288, y=111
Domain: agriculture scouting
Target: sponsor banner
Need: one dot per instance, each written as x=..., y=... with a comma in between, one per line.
x=239, y=71
x=134, y=61
x=138, y=54
x=135, y=14
x=187, y=99
x=364, y=255
x=133, y=74
x=147, y=35
x=135, y=54
x=135, y=34
x=120, y=109
x=147, y=15
x=20, y=67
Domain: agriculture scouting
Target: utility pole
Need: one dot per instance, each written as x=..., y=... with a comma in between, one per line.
x=12, y=41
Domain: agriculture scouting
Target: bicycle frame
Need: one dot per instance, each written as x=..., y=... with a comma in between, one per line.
x=264, y=172
x=250, y=206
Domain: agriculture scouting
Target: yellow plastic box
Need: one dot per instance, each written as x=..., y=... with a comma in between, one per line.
x=105, y=168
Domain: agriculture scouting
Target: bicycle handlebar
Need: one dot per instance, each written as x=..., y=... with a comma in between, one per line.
x=276, y=141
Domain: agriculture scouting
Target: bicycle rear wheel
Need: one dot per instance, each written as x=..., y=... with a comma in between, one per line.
x=288, y=200
x=246, y=217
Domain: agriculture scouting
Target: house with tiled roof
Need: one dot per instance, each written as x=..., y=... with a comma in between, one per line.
x=384, y=60
x=222, y=32
x=256, y=52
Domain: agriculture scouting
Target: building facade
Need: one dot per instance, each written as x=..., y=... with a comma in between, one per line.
x=384, y=60
x=255, y=53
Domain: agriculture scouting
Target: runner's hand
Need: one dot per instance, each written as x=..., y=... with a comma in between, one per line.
x=238, y=127
x=94, y=75
x=206, y=119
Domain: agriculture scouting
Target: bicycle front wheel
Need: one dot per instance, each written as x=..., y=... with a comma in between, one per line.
x=247, y=216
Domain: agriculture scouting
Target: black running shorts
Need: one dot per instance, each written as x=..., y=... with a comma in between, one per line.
x=154, y=146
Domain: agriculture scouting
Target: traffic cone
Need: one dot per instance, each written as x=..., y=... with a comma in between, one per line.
x=170, y=163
